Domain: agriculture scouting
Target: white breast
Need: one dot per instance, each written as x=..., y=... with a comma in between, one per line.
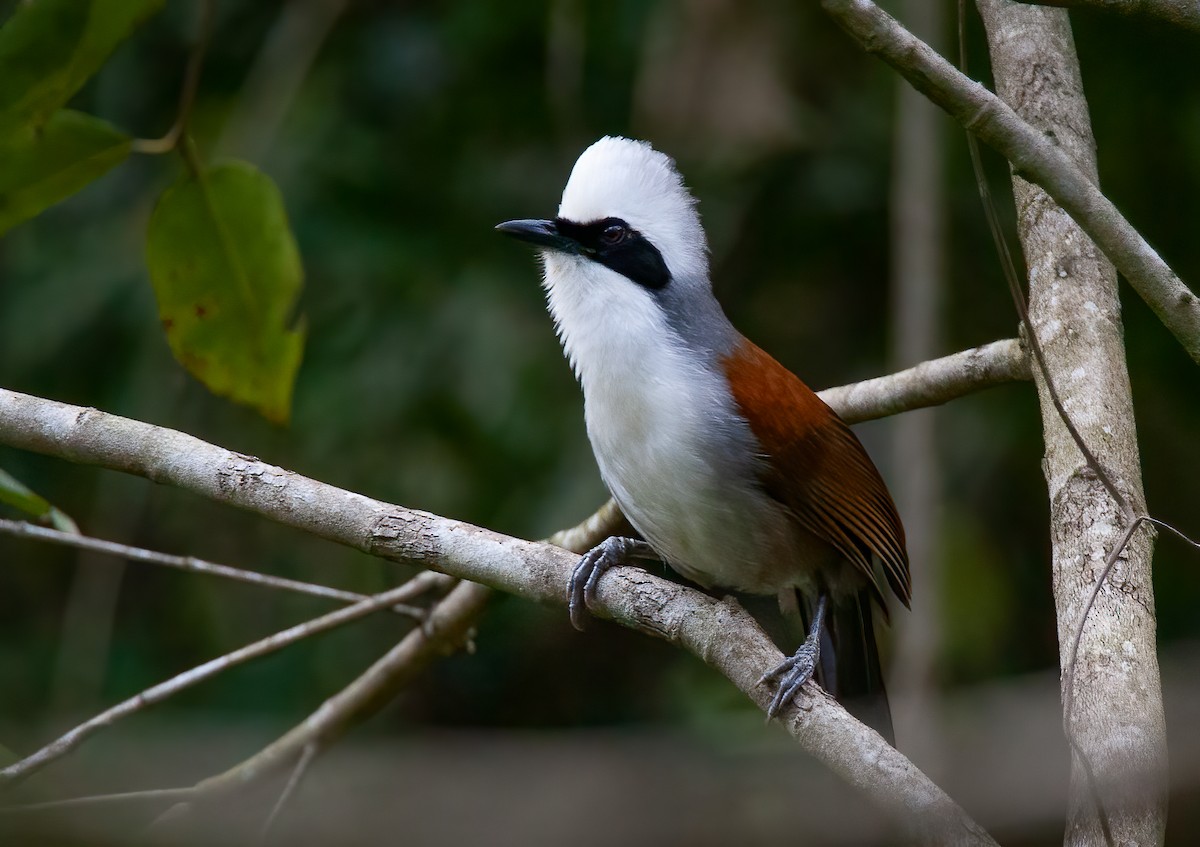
x=670, y=446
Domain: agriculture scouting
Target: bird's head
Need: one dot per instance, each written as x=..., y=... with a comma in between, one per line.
x=625, y=210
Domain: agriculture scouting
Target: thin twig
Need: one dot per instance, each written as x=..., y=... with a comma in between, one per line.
x=187, y=94
x=591, y=531
x=1031, y=338
x=23, y=529
x=449, y=622
x=306, y=756
x=1110, y=562
x=1182, y=13
x=156, y=694
x=152, y=795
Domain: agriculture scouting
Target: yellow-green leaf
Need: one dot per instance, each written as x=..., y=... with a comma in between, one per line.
x=15, y=494
x=49, y=49
x=39, y=167
x=227, y=273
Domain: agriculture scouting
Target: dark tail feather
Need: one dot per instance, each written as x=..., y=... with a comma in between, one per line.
x=850, y=668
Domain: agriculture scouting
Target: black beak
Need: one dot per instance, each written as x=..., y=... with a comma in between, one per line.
x=541, y=233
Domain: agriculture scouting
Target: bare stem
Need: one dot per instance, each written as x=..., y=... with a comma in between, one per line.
x=187, y=94
x=306, y=757
x=191, y=564
x=156, y=694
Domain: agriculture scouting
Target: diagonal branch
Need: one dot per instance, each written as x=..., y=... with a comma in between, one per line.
x=1034, y=156
x=449, y=624
x=719, y=632
x=156, y=694
x=930, y=383
x=306, y=757
x=1184, y=13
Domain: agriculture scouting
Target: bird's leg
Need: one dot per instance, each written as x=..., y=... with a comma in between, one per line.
x=609, y=553
x=798, y=668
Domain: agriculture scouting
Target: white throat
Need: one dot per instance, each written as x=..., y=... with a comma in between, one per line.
x=671, y=447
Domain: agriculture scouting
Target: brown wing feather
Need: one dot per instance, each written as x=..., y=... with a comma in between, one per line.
x=819, y=469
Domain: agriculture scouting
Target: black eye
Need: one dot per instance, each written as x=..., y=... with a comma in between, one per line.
x=613, y=235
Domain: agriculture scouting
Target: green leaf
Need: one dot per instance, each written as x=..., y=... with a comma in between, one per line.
x=40, y=167
x=15, y=494
x=227, y=273
x=49, y=49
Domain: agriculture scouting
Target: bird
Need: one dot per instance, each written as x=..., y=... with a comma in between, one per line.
x=731, y=470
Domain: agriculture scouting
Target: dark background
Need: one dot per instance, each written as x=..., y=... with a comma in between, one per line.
x=432, y=378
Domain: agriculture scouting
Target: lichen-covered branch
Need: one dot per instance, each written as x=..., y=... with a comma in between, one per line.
x=1034, y=156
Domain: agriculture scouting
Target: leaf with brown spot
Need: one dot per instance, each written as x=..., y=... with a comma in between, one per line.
x=226, y=273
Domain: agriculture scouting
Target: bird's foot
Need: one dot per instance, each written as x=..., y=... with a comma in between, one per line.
x=792, y=673
x=798, y=668
x=609, y=553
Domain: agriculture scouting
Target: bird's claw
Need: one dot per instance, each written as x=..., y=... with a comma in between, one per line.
x=792, y=673
x=593, y=564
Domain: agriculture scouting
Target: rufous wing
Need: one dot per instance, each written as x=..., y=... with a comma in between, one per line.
x=818, y=468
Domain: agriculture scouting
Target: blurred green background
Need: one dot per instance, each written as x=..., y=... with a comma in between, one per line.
x=432, y=377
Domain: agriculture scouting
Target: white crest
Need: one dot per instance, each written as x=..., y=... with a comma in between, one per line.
x=621, y=178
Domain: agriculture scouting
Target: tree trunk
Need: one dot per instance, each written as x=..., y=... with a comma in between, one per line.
x=1116, y=714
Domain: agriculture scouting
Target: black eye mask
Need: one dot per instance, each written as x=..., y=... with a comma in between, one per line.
x=616, y=245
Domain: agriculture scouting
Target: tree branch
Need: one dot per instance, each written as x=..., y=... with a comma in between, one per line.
x=191, y=564
x=1184, y=13
x=156, y=694
x=930, y=383
x=449, y=624
x=1034, y=156
x=719, y=632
